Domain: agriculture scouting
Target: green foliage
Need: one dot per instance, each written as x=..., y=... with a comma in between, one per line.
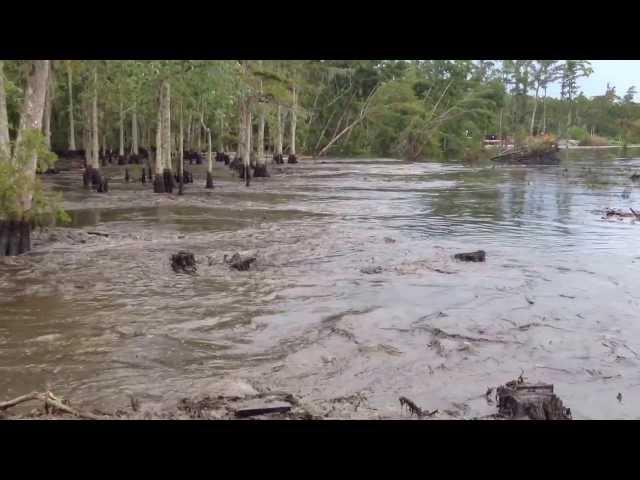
x=577, y=133
x=19, y=186
x=594, y=141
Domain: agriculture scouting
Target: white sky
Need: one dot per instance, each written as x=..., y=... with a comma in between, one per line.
x=619, y=73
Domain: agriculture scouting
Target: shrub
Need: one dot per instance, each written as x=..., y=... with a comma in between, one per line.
x=594, y=141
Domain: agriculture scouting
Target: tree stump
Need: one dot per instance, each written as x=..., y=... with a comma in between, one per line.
x=15, y=237
x=261, y=171
x=277, y=158
x=168, y=180
x=183, y=262
x=478, y=256
x=292, y=159
x=209, y=180
x=520, y=400
x=126, y=175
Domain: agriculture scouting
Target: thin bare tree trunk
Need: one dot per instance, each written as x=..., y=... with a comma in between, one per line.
x=294, y=121
x=95, y=156
x=221, y=135
x=46, y=121
x=134, y=129
x=189, y=126
x=121, y=128
x=279, y=128
x=181, y=154
x=4, y=120
x=72, y=130
x=158, y=159
x=535, y=107
x=166, y=126
x=242, y=124
x=247, y=147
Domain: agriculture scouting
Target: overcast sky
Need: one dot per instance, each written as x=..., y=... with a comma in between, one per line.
x=620, y=73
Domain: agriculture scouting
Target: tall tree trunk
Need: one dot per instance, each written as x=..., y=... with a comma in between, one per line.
x=134, y=130
x=166, y=126
x=181, y=155
x=247, y=145
x=46, y=121
x=242, y=125
x=15, y=234
x=221, y=135
x=72, y=128
x=121, y=128
x=294, y=121
x=279, y=132
x=158, y=180
x=261, y=164
x=95, y=154
x=535, y=107
x=4, y=120
x=544, y=112
x=189, y=126
x=31, y=119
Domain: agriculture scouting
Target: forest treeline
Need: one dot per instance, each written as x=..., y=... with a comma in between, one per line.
x=159, y=109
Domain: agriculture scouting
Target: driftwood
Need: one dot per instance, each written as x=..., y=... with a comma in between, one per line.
x=252, y=412
x=520, y=400
x=51, y=404
x=413, y=409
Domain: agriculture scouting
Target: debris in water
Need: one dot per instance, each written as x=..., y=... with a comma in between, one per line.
x=265, y=410
x=619, y=397
x=414, y=409
x=183, y=262
x=531, y=302
x=389, y=240
x=519, y=400
x=478, y=256
x=371, y=270
x=239, y=263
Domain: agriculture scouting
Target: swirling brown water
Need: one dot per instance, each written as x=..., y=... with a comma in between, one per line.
x=96, y=321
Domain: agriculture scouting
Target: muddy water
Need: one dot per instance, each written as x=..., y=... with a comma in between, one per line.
x=97, y=318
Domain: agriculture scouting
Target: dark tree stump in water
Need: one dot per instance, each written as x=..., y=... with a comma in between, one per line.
x=478, y=256
x=226, y=159
x=261, y=171
x=635, y=177
x=126, y=175
x=122, y=160
x=235, y=164
x=168, y=180
x=143, y=179
x=15, y=237
x=93, y=177
x=518, y=399
x=292, y=159
x=238, y=263
x=183, y=262
x=181, y=185
x=104, y=186
x=241, y=173
x=158, y=184
x=277, y=158
x=209, y=180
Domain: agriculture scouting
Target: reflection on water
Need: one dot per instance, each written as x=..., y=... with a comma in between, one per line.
x=99, y=318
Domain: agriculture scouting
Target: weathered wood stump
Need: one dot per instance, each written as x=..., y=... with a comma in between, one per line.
x=261, y=171
x=209, y=180
x=238, y=263
x=277, y=158
x=126, y=175
x=183, y=262
x=168, y=180
x=520, y=400
x=143, y=179
x=93, y=178
x=478, y=256
x=292, y=159
x=235, y=163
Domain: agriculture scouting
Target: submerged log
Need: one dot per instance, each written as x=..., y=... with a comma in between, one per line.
x=520, y=400
x=184, y=262
x=478, y=256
